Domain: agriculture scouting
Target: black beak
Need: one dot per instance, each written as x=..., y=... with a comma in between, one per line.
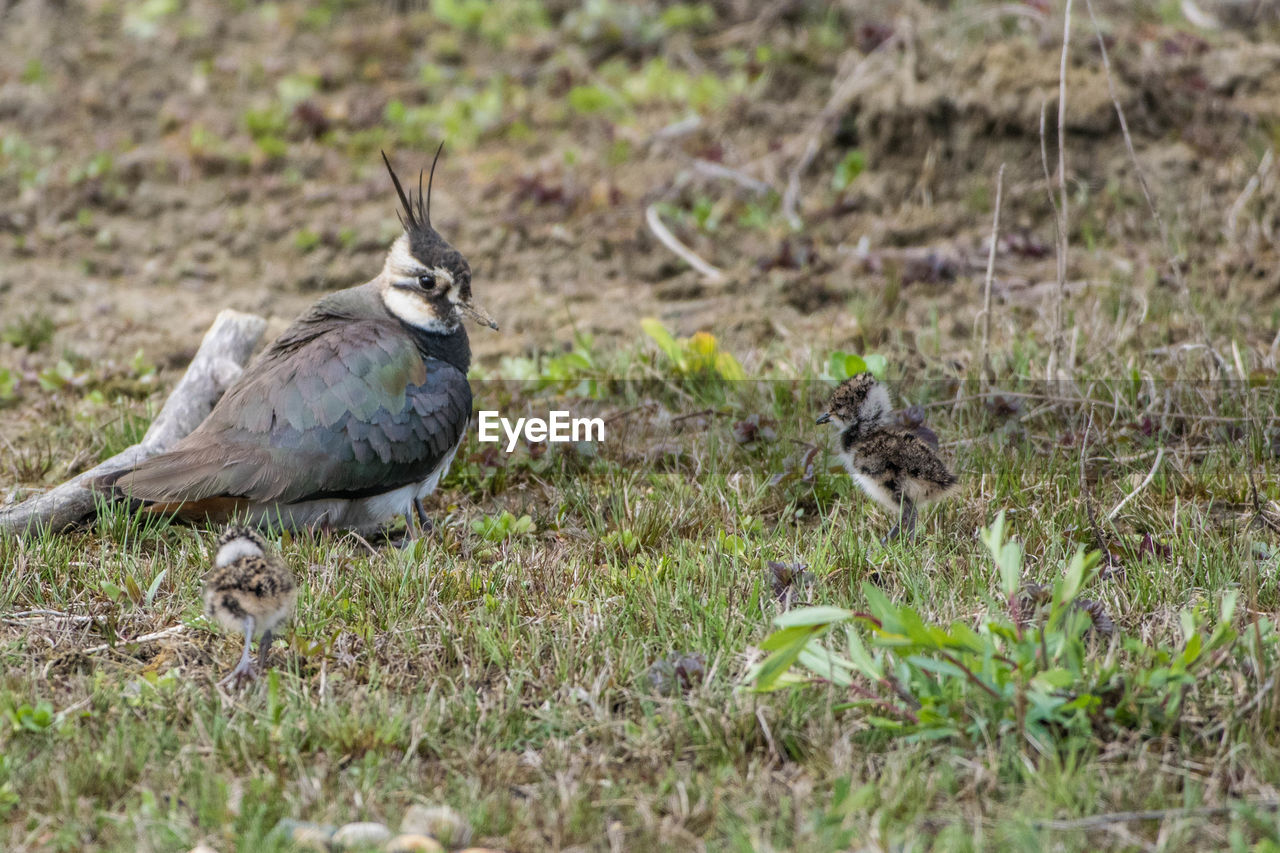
x=824, y=417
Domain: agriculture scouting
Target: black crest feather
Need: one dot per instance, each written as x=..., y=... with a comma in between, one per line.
x=425, y=243
x=417, y=210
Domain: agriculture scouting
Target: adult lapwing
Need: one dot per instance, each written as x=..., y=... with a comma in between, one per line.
x=351, y=416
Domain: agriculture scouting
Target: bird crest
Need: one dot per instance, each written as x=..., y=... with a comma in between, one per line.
x=424, y=240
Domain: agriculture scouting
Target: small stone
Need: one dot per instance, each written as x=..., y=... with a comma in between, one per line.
x=353, y=836
x=440, y=822
x=413, y=844
x=304, y=835
x=314, y=838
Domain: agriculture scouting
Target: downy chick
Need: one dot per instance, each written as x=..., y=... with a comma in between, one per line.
x=248, y=591
x=893, y=466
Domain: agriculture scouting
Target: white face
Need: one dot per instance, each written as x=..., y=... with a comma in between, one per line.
x=234, y=550
x=403, y=297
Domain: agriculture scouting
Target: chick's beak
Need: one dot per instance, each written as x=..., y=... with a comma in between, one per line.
x=479, y=314
x=824, y=417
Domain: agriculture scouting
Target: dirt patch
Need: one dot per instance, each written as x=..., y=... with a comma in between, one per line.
x=160, y=170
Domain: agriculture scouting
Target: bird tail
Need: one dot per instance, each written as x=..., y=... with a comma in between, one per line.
x=182, y=482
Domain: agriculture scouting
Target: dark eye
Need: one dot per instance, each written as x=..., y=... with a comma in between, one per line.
x=427, y=281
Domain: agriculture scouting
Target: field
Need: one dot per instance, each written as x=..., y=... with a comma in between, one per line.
x=583, y=653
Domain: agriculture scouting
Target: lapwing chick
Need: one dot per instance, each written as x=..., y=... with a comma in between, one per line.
x=350, y=417
x=895, y=467
x=249, y=592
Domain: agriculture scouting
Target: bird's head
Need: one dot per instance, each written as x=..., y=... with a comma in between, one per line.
x=237, y=542
x=425, y=282
x=859, y=401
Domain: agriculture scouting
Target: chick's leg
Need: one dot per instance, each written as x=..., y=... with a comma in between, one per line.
x=264, y=646
x=244, y=669
x=908, y=521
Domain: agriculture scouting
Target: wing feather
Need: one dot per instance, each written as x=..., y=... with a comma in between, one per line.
x=351, y=413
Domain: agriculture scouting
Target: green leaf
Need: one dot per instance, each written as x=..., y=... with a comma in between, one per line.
x=1077, y=575
x=877, y=364
x=1227, y=608
x=1191, y=651
x=655, y=330
x=848, y=169
x=785, y=637
x=767, y=674
x=135, y=591
x=812, y=616
x=822, y=663
x=1187, y=621
x=914, y=627
x=963, y=635
x=155, y=586
x=842, y=365
x=1056, y=678
x=1007, y=555
x=941, y=667
x=861, y=658
x=728, y=367
x=882, y=608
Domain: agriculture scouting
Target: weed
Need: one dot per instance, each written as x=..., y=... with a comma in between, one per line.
x=30, y=331
x=851, y=165
x=841, y=365
x=696, y=356
x=497, y=528
x=1042, y=682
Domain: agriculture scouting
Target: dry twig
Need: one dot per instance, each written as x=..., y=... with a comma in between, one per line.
x=219, y=361
x=1165, y=238
x=1146, y=482
x=171, y=631
x=843, y=93
x=1100, y=821
x=718, y=171
x=666, y=238
x=991, y=270
x=1061, y=209
x=1255, y=181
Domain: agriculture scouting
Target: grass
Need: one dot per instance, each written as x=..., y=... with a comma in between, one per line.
x=508, y=676
x=512, y=664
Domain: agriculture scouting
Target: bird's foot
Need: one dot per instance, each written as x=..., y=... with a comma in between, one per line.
x=898, y=535
x=425, y=525
x=405, y=541
x=244, y=673
x=417, y=527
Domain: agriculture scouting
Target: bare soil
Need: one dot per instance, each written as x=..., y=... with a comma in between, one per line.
x=187, y=215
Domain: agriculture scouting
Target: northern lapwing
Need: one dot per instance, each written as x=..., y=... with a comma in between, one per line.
x=250, y=591
x=895, y=467
x=351, y=416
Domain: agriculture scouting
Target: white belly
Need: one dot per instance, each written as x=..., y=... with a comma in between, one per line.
x=874, y=490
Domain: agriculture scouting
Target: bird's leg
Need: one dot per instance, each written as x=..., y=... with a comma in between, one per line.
x=416, y=526
x=908, y=521
x=424, y=522
x=244, y=669
x=264, y=646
